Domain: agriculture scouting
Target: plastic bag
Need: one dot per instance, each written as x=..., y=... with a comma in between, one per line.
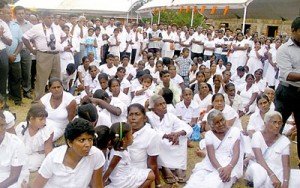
x=196, y=135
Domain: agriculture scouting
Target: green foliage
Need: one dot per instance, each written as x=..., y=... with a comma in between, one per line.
x=175, y=17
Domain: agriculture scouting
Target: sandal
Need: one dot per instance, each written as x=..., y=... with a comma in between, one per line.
x=170, y=179
x=182, y=179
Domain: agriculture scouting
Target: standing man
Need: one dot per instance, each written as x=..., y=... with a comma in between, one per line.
x=155, y=37
x=197, y=43
x=26, y=62
x=48, y=44
x=5, y=39
x=13, y=52
x=287, y=97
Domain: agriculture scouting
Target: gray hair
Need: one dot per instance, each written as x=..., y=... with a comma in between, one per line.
x=212, y=115
x=270, y=114
x=186, y=89
x=153, y=100
x=81, y=17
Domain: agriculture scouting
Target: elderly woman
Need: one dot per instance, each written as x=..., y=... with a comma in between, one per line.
x=271, y=167
x=61, y=107
x=173, y=133
x=256, y=121
x=223, y=164
x=145, y=148
x=248, y=91
x=66, y=165
x=13, y=168
x=203, y=98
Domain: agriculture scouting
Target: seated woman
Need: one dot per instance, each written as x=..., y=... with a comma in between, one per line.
x=200, y=77
x=217, y=87
x=174, y=133
x=271, y=167
x=13, y=165
x=248, y=91
x=36, y=136
x=61, y=107
x=115, y=90
x=145, y=148
x=223, y=164
x=259, y=81
x=256, y=121
x=203, y=98
x=64, y=166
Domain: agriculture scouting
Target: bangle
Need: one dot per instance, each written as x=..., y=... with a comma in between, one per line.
x=219, y=168
x=159, y=185
x=272, y=175
x=285, y=180
x=231, y=165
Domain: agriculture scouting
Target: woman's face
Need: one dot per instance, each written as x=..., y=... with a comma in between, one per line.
x=103, y=83
x=200, y=78
x=146, y=82
x=82, y=144
x=136, y=118
x=240, y=37
x=263, y=105
x=228, y=66
x=151, y=61
x=249, y=80
x=188, y=96
x=86, y=63
x=218, y=103
x=270, y=93
x=217, y=81
x=56, y=89
x=121, y=74
x=274, y=125
x=93, y=72
x=207, y=74
x=115, y=88
x=219, y=124
x=257, y=75
x=172, y=71
x=66, y=30
x=257, y=45
x=159, y=67
x=203, y=89
x=213, y=67
x=220, y=62
x=38, y=122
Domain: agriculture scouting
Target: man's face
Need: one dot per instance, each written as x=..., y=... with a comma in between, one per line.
x=111, y=21
x=7, y=14
x=20, y=14
x=48, y=20
x=296, y=34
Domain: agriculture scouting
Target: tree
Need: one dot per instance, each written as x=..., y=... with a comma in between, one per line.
x=178, y=18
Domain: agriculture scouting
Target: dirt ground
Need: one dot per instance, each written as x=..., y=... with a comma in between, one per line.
x=21, y=112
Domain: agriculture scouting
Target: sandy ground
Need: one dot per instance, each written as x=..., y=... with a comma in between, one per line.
x=21, y=112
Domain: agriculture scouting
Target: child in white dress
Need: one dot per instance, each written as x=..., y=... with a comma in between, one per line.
x=120, y=171
x=143, y=93
x=36, y=136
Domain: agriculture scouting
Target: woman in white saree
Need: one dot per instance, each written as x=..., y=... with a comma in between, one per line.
x=223, y=164
x=271, y=167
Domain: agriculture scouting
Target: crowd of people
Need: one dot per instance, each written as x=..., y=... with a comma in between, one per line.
x=126, y=98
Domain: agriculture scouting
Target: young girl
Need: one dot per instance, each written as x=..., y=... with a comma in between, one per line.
x=142, y=94
x=91, y=82
x=114, y=88
x=91, y=43
x=159, y=67
x=124, y=83
x=9, y=117
x=120, y=172
x=83, y=71
x=36, y=136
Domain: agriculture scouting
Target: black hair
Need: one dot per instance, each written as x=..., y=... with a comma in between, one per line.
x=18, y=8
x=77, y=127
x=116, y=135
x=54, y=79
x=36, y=110
x=147, y=71
x=92, y=67
x=103, y=76
x=102, y=137
x=137, y=105
x=216, y=95
x=163, y=72
x=167, y=95
x=166, y=61
x=296, y=24
x=65, y=26
x=249, y=75
x=100, y=94
x=228, y=85
x=262, y=96
x=84, y=58
x=110, y=56
x=145, y=76
x=88, y=112
x=71, y=68
x=125, y=56
x=113, y=80
x=185, y=49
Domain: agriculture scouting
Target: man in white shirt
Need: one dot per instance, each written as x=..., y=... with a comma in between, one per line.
x=80, y=33
x=197, y=43
x=47, y=39
x=219, y=42
x=111, y=27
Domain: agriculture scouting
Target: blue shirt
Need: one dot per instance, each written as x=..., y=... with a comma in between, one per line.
x=16, y=39
x=184, y=65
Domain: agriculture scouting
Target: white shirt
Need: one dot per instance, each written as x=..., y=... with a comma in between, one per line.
x=219, y=42
x=6, y=33
x=41, y=39
x=146, y=143
x=12, y=153
x=61, y=176
x=166, y=36
x=209, y=44
x=196, y=48
x=256, y=123
x=203, y=104
x=77, y=31
x=187, y=113
x=111, y=72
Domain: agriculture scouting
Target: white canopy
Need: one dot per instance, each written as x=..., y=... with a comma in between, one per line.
x=39, y=4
